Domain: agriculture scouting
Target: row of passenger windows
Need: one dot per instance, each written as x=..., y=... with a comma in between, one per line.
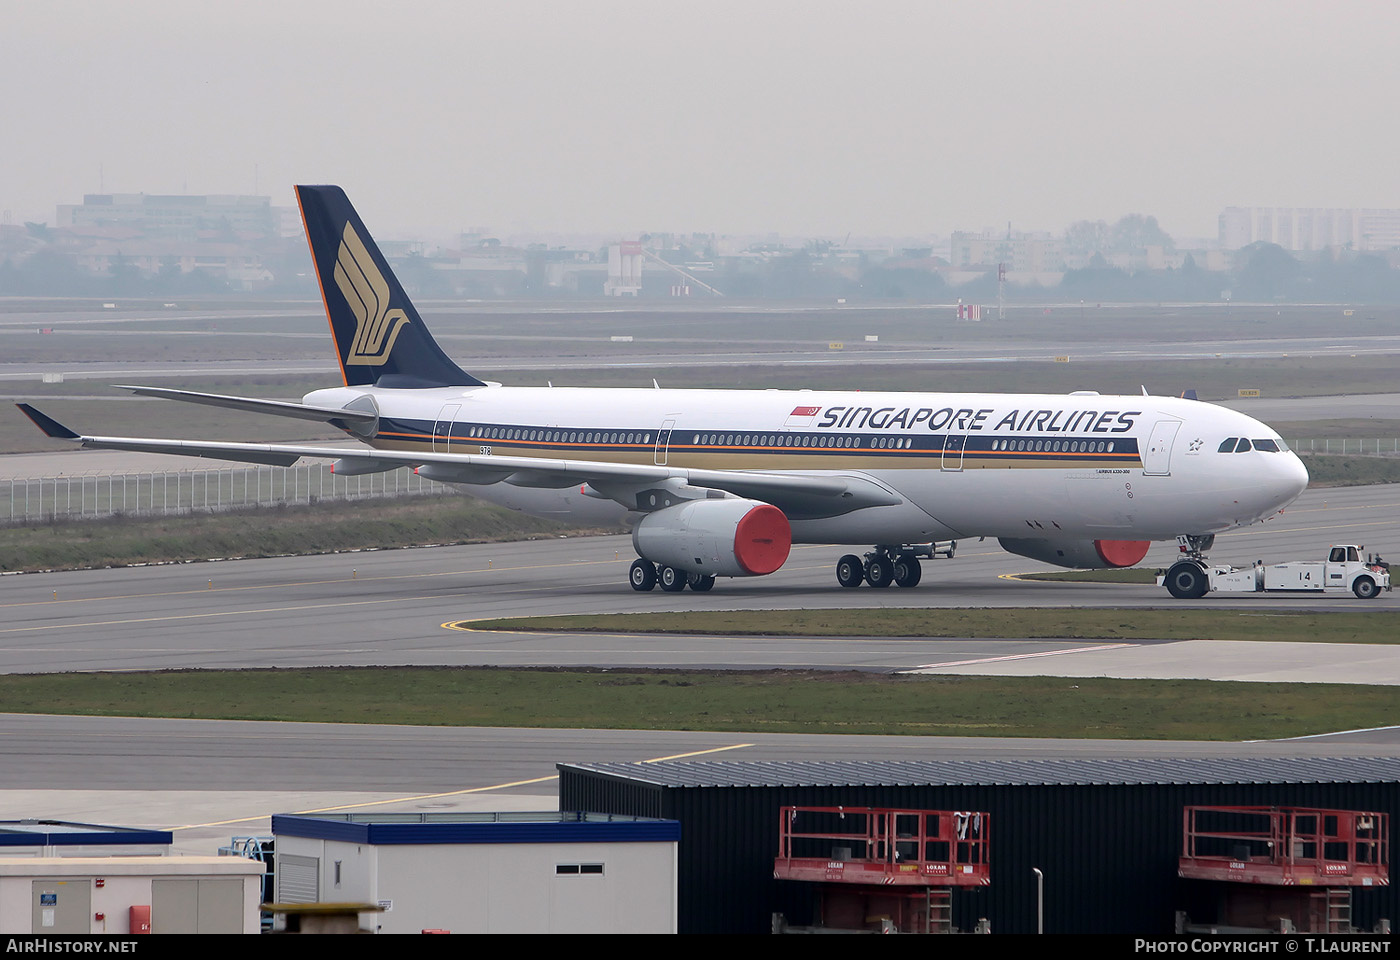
x=1056, y=446
x=784, y=440
x=1243, y=445
x=557, y=436
x=792, y=440
x=708, y=439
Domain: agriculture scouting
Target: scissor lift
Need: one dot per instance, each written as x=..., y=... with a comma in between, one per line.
x=882, y=869
x=1283, y=869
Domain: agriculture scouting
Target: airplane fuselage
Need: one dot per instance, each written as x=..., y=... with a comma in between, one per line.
x=960, y=465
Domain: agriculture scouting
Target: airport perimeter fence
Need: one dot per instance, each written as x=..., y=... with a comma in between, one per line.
x=163, y=493
x=1359, y=448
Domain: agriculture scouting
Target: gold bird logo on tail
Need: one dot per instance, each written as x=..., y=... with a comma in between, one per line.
x=367, y=293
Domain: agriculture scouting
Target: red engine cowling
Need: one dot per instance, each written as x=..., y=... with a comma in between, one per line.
x=1079, y=554
x=730, y=537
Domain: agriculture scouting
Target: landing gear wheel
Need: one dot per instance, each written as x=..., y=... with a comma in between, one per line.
x=1365, y=588
x=700, y=582
x=1187, y=581
x=880, y=573
x=908, y=571
x=642, y=575
x=671, y=579
x=850, y=572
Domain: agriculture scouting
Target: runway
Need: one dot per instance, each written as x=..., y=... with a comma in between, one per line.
x=596, y=355
x=85, y=343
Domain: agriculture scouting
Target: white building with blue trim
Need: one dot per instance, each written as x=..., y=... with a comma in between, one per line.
x=523, y=872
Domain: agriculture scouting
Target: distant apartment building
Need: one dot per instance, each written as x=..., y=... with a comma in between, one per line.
x=1021, y=252
x=236, y=264
x=226, y=238
x=182, y=217
x=1310, y=228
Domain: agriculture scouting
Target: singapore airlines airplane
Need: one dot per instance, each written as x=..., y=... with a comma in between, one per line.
x=721, y=483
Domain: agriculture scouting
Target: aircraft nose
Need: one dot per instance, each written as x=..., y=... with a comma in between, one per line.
x=1287, y=478
x=1281, y=477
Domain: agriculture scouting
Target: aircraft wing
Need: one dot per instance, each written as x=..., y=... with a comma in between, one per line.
x=800, y=496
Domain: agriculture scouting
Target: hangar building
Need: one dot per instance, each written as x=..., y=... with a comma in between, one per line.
x=1108, y=835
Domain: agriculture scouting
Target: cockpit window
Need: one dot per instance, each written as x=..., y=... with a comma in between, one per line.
x=1243, y=445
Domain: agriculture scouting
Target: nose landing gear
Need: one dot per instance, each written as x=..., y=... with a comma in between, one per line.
x=1187, y=578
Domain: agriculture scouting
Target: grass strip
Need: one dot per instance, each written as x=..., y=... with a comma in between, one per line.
x=1335, y=470
x=739, y=701
x=1377, y=626
x=325, y=527
x=1340, y=428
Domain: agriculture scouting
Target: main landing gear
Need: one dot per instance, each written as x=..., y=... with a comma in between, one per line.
x=644, y=575
x=884, y=565
x=888, y=564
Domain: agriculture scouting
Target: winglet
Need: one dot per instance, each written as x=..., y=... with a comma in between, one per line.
x=49, y=425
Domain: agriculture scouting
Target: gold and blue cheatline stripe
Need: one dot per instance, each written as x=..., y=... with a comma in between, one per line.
x=996, y=450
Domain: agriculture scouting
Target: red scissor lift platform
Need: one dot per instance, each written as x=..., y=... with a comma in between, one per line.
x=883, y=868
x=1257, y=850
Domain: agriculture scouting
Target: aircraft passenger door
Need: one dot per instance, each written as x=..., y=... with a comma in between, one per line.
x=663, y=442
x=442, y=430
x=1157, y=458
x=953, y=449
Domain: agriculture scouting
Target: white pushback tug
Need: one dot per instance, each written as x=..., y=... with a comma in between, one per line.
x=1343, y=571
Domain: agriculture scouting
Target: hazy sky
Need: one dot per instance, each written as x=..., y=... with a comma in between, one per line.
x=730, y=117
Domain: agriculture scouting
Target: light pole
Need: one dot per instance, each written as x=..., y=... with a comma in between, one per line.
x=1039, y=900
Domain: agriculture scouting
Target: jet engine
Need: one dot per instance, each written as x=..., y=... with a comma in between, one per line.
x=1079, y=554
x=729, y=537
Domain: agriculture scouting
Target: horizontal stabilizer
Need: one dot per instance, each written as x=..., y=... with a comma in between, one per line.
x=279, y=408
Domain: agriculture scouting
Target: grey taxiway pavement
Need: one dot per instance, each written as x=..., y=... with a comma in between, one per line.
x=215, y=779
x=393, y=607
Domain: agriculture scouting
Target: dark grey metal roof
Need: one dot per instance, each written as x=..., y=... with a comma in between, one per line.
x=1060, y=771
x=20, y=833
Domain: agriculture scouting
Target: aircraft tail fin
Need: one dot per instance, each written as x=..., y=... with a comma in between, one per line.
x=380, y=338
